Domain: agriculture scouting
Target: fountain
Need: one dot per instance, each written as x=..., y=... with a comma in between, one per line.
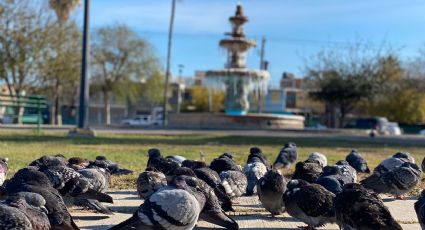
x=235, y=79
x=238, y=82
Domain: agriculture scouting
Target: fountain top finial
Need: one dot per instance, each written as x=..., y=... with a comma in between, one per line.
x=239, y=10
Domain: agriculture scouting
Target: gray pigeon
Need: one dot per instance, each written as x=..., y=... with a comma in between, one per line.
x=309, y=203
x=420, y=209
x=319, y=157
x=171, y=208
x=270, y=189
x=256, y=167
x=393, y=162
x=234, y=182
x=3, y=170
x=212, y=211
x=359, y=208
x=309, y=170
x=32, y=205
x=356, y=160
x=397, y=182
x=287, y=156
x=149, y=182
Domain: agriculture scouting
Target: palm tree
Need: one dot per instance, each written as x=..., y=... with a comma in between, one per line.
x=63, y=8
x=167, y=73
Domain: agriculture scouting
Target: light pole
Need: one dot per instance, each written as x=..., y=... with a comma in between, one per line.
x=167, y=73
x=84, y=82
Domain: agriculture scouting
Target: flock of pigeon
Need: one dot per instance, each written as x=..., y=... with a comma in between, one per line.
x=178, y=192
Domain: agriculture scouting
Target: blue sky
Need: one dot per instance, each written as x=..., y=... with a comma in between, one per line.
x=295, y=29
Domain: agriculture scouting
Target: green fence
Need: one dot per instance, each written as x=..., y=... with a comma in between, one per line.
x=36, y=104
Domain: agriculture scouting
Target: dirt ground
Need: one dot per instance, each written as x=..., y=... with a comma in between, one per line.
x=249, y=214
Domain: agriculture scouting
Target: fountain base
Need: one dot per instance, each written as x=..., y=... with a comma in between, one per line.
x=239, y=122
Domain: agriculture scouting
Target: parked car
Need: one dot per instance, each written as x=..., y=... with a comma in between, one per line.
x=140, y=120
x=393, y=129
x=376, y=124
x=422, y=132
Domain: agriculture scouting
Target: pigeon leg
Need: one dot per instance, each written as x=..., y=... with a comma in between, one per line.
x=400, y=197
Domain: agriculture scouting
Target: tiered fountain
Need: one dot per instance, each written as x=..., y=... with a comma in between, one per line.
x=235, y=79
x=237, y=82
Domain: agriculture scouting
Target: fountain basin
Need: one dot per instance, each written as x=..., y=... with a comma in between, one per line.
x=226, y=121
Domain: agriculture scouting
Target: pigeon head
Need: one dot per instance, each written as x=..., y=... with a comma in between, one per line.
x=4, y=160
x=228, y=155
x=404, y=155
x=154, y=153
x=30, y=175
x=290, y=145
x=331, y=170
x=255, y=150
x=31, y=198
x=101, y=158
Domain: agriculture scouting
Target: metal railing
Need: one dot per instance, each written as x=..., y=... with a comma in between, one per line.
x=39, y=103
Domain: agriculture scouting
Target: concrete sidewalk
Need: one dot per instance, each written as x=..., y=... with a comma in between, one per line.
x=249, y=214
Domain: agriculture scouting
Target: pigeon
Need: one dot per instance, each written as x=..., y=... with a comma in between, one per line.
x=174, y=207
x=256, y=155
x=176, y=158
x=212, y=178
x=359, y=208
x=234, y=182
x=396, y=182
x=180, y=171
x=149, y=182
x=331, y=183
x=30, y=180
x=309, y=170
x=193, y=164
x=78, y=163
x=256, y=167
x=49, y=161
x=420, y=209
x=3, y=170
x=356, y=160
x=113, y=167
x=309, y=203
x=287, y=156
x=347, y=170
x=11, y=218
x=224, y=163
x=393, y=162
x=32, y=205
x=270, y=189
x=153, y=154
x=323, y=161
x=163, y=165
x=212, y=211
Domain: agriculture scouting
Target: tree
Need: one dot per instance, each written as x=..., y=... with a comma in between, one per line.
x=24, y=29
x=64, y=58
x=342, y=78
x=119, y=57
x=201, y=99
x=153, y=89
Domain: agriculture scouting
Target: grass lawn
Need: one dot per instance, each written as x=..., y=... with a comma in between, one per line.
x=130, y=150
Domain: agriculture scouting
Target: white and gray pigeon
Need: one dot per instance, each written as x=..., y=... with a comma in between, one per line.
x=319, y=157
x=170, y=208
x=309, y=203
x=420, y=209
x=396, y=182
x=149, y=182
x=270, y=189
x=287, y=156
x=3, y=170
x=357, y=161
x=255, y=168
x=234, y=182
x=359, y=208
x=393, y=162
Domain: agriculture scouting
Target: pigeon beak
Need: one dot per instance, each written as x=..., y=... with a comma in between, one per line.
x=44, y=209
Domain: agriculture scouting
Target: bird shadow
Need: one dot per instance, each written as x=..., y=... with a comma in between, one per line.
x=124, y=209
x=391, y=199
x=90, y=218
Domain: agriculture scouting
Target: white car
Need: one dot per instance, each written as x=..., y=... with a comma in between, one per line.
x=422, y=132
x=141, y=120
x=393, y=129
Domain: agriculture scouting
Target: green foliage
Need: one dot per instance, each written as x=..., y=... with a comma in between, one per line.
x=201, y=102
x=153, y=89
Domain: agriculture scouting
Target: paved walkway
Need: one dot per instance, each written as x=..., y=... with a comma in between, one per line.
x=249, y=214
